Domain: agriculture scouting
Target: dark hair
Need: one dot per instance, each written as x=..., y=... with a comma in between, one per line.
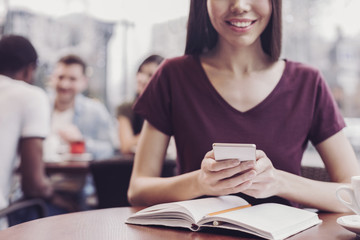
x=202, y=36
x=73, y=59
x=16, y=52
x=151, y=59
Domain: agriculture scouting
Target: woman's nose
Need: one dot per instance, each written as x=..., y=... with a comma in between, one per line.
x=240, y=6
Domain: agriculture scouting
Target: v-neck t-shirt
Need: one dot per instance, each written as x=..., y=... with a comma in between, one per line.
x=181, y=101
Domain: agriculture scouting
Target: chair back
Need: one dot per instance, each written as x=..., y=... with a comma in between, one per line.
x=315, y=173
x=112, y=177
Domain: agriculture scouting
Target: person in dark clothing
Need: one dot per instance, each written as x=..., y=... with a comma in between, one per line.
x=129, y=122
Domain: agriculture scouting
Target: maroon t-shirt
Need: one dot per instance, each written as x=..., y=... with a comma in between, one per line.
x=181, y=101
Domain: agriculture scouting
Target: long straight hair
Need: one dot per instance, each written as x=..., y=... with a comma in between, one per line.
x=202, y=36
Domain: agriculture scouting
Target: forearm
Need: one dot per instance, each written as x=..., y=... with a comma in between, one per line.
x=145, y=191
x=43, y=188
x=310, y=193
x=33, y=178
x=34, y=181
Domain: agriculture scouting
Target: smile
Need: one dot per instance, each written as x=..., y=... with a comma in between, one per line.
x=240, y=24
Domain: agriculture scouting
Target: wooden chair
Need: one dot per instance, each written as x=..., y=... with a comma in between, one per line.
x=112, y=176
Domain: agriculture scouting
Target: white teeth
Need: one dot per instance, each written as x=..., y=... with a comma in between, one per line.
x=240, y=24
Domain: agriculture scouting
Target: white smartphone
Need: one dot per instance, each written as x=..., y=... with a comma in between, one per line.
x=243, y=152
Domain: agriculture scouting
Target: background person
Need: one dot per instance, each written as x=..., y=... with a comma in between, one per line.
x=129, y=122
x=231, y=86
x=76, y=117
x=24, y=122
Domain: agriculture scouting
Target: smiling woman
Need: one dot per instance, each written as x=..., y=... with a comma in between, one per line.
x=239, y=90
x=242, y=82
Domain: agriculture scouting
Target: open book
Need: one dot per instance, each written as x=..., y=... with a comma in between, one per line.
x=268, y=220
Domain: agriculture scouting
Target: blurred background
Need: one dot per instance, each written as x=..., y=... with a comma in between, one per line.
x=112, y=36
x=115, y=36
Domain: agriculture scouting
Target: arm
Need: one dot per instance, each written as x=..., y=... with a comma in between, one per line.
x=340, y=161
x=128, y=140
x=148, y=188
x=34, y=181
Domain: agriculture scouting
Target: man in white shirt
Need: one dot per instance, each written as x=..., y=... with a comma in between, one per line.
x=24, y=121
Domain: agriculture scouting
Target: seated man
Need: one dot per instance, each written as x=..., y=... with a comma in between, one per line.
x=77, y=118
x=24, y=121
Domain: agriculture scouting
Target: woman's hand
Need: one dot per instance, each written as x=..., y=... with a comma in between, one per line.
x=266, y=183
x=226, y=176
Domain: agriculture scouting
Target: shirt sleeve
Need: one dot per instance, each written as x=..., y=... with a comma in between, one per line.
x=327, y=119
x=36, y=119
x=125, y=110
x=154, y=104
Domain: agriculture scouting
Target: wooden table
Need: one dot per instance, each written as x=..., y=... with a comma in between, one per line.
x=75, y=167
x=79, y=167
x=109, y=224
x=69, y=177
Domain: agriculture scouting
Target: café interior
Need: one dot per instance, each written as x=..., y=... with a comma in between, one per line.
x=114, y=37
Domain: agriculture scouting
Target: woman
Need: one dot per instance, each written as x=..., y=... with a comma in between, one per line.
x=231, y=86
x=130, y=123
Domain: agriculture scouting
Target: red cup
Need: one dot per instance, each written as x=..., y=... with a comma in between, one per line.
x=77, y=147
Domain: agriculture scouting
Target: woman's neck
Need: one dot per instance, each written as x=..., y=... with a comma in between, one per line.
x=239, y=60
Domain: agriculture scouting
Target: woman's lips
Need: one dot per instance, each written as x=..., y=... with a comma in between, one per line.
x=240, y=25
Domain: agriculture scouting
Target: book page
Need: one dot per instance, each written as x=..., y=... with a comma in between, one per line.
x=199, y=208
x=166, y=214
x=184, y=213
x=270, y=220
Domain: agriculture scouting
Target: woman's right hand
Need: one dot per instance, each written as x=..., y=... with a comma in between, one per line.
x=224, y=177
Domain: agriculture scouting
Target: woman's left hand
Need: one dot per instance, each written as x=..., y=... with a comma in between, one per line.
x=266, y=183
